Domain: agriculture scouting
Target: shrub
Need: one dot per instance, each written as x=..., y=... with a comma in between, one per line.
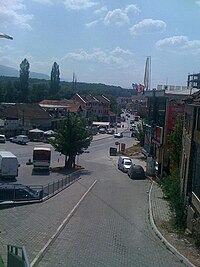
x=171, y=189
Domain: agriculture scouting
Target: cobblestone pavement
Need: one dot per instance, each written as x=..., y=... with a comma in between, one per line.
x=110, y=227
x=162, y=214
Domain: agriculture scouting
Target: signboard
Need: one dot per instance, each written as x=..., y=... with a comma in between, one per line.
x=173, y=113
x=147, y=137
x=122, y=149
x=158, y=136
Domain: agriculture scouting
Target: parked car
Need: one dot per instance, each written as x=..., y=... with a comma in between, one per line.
x=102, y=130
x=124, y=163
x=20, y=139
x=18, y=192
x=118, y=135
x=133, y=134
x=110, y=131
x=136, y=172
x=2, y=138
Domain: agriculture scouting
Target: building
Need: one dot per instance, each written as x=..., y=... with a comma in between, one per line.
x=19, y=118
x=190, y=160
x=194, y=80
x=98, y=106
x=164, y=107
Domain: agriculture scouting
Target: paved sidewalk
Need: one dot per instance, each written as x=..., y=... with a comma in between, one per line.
x=160, y=214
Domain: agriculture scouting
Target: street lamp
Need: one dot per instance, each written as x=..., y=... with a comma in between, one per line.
x=3, y=35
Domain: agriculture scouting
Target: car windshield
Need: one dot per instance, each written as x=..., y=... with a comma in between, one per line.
x=127, y=163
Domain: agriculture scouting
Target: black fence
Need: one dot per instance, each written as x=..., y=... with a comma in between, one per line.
x=18, y=193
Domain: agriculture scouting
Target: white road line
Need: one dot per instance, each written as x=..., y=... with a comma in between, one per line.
x=59, y=229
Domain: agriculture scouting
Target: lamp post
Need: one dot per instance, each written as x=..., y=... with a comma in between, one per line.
x=6, y=36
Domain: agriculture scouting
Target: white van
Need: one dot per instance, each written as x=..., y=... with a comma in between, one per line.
x=124, y=163
x=8, y=165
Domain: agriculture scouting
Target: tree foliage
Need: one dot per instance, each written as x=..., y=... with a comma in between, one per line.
x=24, y=80
x=71, y=139
x=55, y=79
x=171, y=183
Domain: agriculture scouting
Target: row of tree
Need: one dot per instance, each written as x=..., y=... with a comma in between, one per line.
x=28, y=90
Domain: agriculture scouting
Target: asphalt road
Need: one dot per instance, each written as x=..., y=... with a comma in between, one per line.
x=110, y=227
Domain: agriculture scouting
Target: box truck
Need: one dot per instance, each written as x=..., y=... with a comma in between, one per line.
x=8, y=165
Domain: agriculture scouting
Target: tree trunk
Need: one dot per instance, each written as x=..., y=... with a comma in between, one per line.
x=70, y=162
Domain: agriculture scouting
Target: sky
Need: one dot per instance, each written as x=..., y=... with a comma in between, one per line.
x=104, y=41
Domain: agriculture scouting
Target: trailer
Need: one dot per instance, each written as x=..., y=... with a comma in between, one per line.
x=8, y=165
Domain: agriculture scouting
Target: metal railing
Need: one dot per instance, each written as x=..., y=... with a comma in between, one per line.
x=34, y=193
x=56, y=186
x=17, y=257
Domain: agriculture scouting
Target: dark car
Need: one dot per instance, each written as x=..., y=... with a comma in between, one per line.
x=18, y=192
x=102, y=130
x=136, y=172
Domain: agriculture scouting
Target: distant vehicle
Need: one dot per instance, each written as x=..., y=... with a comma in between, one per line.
x=137, y=118
x=118, y=135
x=110, y=131
x=2, y=138
x=133, y=134
x=102, y=130
x=8, y=165
x=136, y=172
x=20, y=139
x=119, y=125
x=124, y=163
x=41, y=158
x=18, y=192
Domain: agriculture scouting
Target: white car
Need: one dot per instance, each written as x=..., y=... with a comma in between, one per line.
x=118, y=135
x=20, y=139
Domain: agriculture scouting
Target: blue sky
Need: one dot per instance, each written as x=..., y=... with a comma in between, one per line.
x=104, y=41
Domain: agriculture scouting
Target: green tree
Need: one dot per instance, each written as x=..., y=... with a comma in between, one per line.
x=171, y=183
x=71, y=139
x=24, y=80
x=10, y=92
x=55, y=79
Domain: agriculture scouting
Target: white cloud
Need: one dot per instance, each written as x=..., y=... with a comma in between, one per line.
x=116, y=17
x=10, y=13
x=148, y=26
x=91, y=24
x=45, y=2
x=179, y=44
x=198, y=3
x=131, y=8
x=101, y=11
x=98, y=56
x=119, y=50
x=79, y=4
x=5, y=48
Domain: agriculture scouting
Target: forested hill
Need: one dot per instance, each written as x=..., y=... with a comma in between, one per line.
x=39, y=89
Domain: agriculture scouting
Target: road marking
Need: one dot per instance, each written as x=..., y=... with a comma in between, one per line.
x=59, y=229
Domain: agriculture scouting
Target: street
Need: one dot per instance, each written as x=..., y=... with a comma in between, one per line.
x=109, y=227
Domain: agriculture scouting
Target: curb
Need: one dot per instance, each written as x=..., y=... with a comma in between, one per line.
x=181, y=257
